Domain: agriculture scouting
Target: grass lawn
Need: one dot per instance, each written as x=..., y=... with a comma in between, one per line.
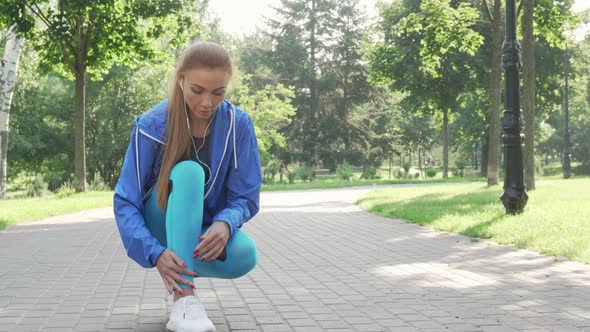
x=556, y=220
x=17, y=210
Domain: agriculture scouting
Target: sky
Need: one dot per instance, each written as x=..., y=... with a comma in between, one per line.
x=242, y=17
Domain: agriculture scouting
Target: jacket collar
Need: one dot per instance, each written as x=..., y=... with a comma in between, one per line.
x=152, y=123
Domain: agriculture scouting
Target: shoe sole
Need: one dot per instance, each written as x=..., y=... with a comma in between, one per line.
x=171, y=327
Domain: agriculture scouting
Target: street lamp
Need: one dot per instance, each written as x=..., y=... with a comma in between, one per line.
x=514, y=196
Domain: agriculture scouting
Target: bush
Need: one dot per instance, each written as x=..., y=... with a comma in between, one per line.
x=65, y=190
x=582, y=169
x=304, y=173
x=538, y=166
x=430, y=172
x=344, y=172
x=37, y=187
x=406, y=167
x=416, y=175
x=291, y=177
x=98, y=183
x=18, y=182
x=54, y=178
x=551, y=170
x=75, y=183
x=460, y=170
x=56, y=170
x=370, y=173
x=270, y=171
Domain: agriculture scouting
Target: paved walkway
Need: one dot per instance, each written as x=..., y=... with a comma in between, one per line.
x=324, y=265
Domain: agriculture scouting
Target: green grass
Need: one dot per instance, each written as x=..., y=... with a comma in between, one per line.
x=556, y=220
x=17, y=210
x=555, y=171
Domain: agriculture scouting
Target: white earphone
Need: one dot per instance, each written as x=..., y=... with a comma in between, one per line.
x=190, y=133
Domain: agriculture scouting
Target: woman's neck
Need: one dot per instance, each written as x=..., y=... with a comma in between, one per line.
x=199, y=128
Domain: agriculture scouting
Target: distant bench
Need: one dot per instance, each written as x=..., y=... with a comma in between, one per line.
x=326, y=171
x=322, y=171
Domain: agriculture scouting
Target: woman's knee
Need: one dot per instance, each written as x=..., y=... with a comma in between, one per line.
x=184, y=175
x=244, y=255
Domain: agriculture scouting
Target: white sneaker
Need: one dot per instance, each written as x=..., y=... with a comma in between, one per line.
x=188, y=315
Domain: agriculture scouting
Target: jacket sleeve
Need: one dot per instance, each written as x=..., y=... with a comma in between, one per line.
x=139, y=242
x=243, y=185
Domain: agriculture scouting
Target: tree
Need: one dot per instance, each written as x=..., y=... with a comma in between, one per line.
x=528, y=93
x=300, y=46
x=41, y=130
x=470, y=123
x=423, y=51
x=254, y=60
x=112, y=104
x=350, y=74
x=543, y=25
x=8, y=74
x=495, y=19
x=377, y=133
x=271, y=110
x=580, y=93
x=81, y=37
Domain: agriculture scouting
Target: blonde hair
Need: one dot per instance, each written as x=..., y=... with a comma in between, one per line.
x=202, y=54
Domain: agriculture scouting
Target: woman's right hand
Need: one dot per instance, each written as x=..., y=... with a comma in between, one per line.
x=170, y=266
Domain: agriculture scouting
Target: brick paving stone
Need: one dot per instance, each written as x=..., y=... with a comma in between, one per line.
x=463, y=327
x=24, y=328
x=307, y=329
x=275, y=328
x=242, y=325
x=427, y=325
x=150, y=327
x=331, y=324
x=369, y=328
x=324, y=265
x=90, y=327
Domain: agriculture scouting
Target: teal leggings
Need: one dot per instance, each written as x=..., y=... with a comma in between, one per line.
x=179, y=227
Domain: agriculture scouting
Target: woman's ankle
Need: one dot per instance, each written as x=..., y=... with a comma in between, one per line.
x=185, y=292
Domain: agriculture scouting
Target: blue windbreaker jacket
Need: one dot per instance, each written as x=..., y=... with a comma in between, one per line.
x=232, y=195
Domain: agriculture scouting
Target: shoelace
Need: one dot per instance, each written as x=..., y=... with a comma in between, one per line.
x=193, y=309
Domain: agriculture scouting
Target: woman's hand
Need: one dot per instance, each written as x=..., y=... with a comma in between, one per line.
x=213, y=241
x=170, y=265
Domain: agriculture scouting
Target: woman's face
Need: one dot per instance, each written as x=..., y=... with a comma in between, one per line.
x=204, y=89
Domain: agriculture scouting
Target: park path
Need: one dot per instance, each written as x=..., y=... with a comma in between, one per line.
x=324, y=265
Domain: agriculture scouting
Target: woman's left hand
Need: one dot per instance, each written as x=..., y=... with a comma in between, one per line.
x=213, y=242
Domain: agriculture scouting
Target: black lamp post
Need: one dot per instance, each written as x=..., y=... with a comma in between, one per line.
x=514, y=197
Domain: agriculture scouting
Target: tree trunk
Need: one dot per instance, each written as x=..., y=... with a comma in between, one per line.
x=8, y=71
x=475, y=163
x=495, y=94
x=313, y=90
x=484, y=154
x=80, y=132
x=420, y=162
x=528, y=69
x=390, y=162
x=446, y=143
